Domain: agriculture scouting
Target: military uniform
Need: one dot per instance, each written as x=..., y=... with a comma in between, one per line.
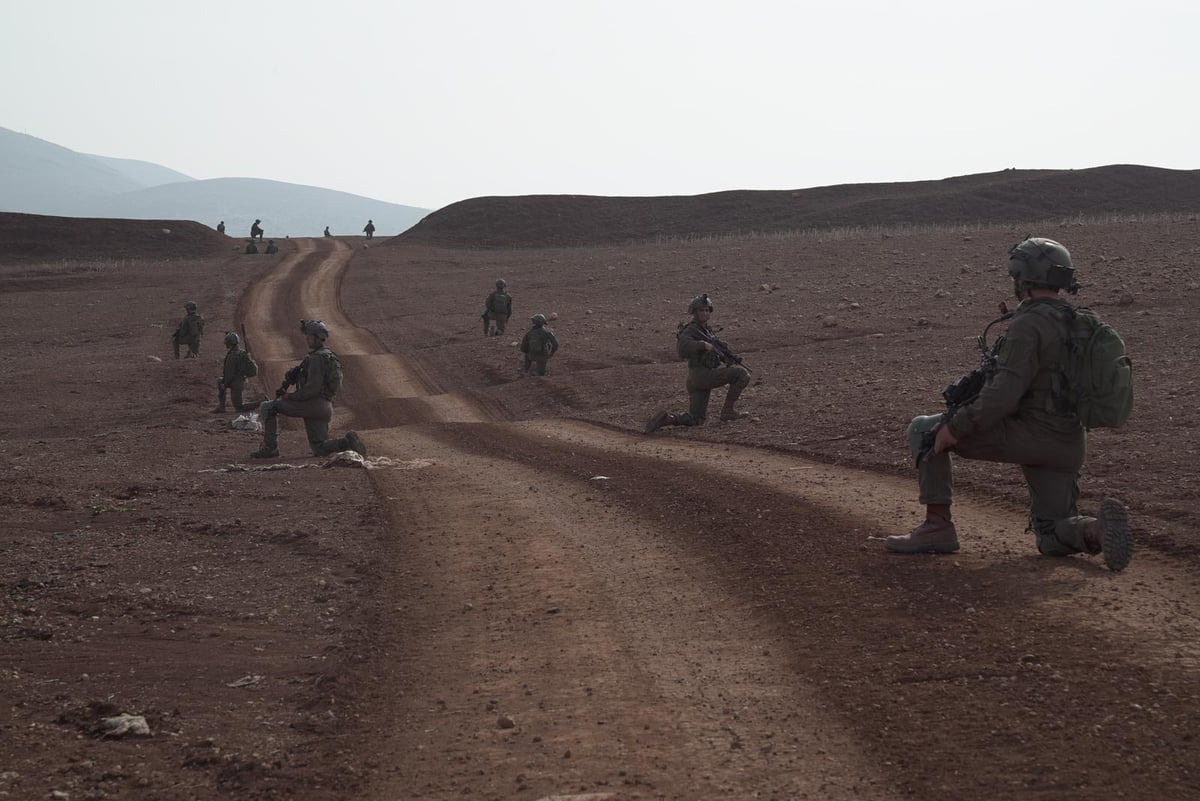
x=369, y=229
x=272, y=247
x=256, y=231
x=707, y=371
x=496, y=310
x=189, y=332
x=1023, y=415
x=251, y=248
x=237, y=367
x=538, y=345
x=318, y=381
x=1017, y=419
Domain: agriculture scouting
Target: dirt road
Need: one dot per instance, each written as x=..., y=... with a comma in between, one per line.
x=580, y=610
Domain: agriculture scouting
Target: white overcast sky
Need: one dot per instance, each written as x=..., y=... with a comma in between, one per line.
x=432, y=102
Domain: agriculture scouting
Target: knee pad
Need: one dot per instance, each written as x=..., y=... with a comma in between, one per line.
x=267, y=408
x=743, y=380
x=917, y=429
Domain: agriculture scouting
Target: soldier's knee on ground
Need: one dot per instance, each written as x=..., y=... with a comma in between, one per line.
x=743, y=379
x=1048, y=543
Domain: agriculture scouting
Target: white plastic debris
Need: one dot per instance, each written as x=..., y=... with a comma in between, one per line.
x=123, y=725
x=247, y=422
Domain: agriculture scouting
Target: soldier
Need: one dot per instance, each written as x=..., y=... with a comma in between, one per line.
x=251, y=248
x=705, y=355
x=538, y=345
x=1022, y=416
x=317, y=380
x=271, y=248
x=221, y=227
x=497, y=309
x=256, y=231
x=327, y=234
x=189, y=331
x=369, y=230
x=238, y=366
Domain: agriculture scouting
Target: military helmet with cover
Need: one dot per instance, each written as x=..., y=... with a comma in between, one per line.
x=700, y=302
x=1044, y=262
x=232, y=340
x=501, y=283
x=316, y=328
x=538, y=320
x=190, y=305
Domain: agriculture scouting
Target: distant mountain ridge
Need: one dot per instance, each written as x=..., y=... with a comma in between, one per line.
x=39, y=177
x=1015, y=196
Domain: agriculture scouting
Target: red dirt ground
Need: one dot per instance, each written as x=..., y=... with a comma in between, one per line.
x=704, y=613
x=39, y=238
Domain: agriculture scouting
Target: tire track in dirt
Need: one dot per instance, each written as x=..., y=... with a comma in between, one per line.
x=381, y=388
x=725, y=628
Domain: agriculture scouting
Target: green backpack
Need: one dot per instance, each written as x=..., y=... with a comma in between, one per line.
x=1098, y=373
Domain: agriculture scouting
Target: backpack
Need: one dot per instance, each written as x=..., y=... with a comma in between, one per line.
x=247, y=366
x=333, y=373
x=1098, y=374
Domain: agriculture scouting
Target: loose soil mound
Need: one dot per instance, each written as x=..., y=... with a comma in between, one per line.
x=1007, y=196
x=33, y=238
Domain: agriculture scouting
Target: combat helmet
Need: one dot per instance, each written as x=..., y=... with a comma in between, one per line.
x=232, y=340
x=700, y=302
x=538, y=320
x=1043, y=262
x=191, y=306
x=315, y=327
x=501, y=283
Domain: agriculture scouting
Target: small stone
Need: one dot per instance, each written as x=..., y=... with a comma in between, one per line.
x=153, y=359
x=764, y=287
x=855, y=306
x=1193, y=286
x=124, y=724
x=552, y=610
x=922, y=322
x=589, y=311
x=941, y=293
x=553, y=316
x=829, y=322
x=505, y=722
x=1124, y=298
x=59, y=795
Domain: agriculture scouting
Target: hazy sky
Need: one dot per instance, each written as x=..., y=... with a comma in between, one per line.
x=431, y=102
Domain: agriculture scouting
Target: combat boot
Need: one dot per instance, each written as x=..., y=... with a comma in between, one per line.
x=659, y=420
x=356, y=444
x=728, y=413
x=266, y=452
x=1110, y=535
x=936, y=535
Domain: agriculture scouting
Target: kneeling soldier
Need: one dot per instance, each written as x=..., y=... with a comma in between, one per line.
x=238, y=366
x=317, y=380
x=1023, y=414
x=538, y=345
x=705, y=355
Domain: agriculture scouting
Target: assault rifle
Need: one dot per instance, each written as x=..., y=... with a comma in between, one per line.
x=722, y=350
x=291, y=377
x=963, y=391
x=245, y=339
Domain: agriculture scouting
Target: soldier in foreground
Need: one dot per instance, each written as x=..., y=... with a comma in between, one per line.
x=1025, y=413
x=369, y=229
x=496, y=310
x=237, y=367
x=711, y=364
x=538, y=345
x=189, y=331
x=317, y=380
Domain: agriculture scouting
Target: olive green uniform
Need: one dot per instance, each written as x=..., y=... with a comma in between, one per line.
x=496, y=310
x=538, y=345
x=189, y=332
x=238, y=366
x=312, y=401
x=1020, y=418
x=705, y=373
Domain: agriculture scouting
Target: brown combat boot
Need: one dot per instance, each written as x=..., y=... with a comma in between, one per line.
x=1110, y=535
x=936, y=535
x=660, y=419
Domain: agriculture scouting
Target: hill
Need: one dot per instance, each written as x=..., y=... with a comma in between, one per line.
x=35, y=238
x=39, y=177
x=1007, y=196
x=285, y=209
